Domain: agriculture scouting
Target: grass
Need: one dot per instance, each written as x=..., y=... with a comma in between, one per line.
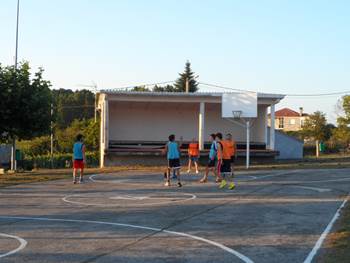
x=337, y=246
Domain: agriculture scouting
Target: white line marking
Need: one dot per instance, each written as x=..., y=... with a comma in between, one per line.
x=129, y=197
x=323, y=236
x=190, y=197
x=213, y=243
x=320, y=190
x=326, y=181
x=21, y=241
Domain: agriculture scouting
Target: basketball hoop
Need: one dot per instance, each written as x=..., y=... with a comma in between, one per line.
x=236, y=114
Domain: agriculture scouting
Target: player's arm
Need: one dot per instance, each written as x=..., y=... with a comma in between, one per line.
x=165, y=150
x=219, y=150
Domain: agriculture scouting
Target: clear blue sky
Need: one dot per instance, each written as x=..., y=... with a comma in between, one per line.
x=277, y=46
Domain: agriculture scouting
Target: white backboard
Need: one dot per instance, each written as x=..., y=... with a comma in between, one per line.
x=246, y=102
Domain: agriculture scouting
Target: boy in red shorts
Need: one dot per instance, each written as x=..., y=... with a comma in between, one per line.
x=78, y=158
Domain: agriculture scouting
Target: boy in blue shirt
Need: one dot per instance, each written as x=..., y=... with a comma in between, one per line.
x=78, y=158
x=172, y=150
x=212, y=159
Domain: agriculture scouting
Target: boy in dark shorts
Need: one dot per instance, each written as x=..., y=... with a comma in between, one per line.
x=193, y=155
x=212, y=159
x=228, y=150
x=172, y=150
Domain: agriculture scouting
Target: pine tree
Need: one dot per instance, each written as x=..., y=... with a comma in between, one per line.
x=180, y=84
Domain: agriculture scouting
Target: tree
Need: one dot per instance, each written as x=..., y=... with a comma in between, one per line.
x=88, y=128
x=315, y=128
x=341, y=134
x=188, y=74
x=25, y=102
x=140, y=89
x=167, y=88
x=71, y=105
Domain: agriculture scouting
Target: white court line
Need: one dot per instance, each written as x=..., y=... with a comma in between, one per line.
x=323, y=236
x=213, y=243
x=66, y=199
x=320, y=190
x=21, y=241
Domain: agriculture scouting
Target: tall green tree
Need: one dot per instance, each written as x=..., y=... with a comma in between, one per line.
x=341, y=134
x=188, y=74
x=315, y=128
x=71, y=105
x=25, y=102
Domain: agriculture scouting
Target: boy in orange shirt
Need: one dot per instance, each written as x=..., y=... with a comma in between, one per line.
x=228, y=152
x=193, y=155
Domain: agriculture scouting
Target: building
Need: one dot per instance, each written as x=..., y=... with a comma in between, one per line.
x=136, y=125
x=289, y=120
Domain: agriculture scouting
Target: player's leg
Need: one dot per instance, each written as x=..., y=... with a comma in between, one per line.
x=81, y=178
x=167, y=182
x=232, y=184
x=179, y=184
x=218, y=171
x=223, y=172
x=74, y=175
x=189, y=164
x=196, y=165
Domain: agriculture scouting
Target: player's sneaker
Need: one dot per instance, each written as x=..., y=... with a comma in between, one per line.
x=197, y=172
x=179, y=184
x=223, y=184
x=188, y=171
x=167, y=184
x=232, y=186
x=81, y=180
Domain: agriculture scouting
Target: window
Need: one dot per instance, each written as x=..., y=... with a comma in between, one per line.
x=292, y=121
x=280, y=123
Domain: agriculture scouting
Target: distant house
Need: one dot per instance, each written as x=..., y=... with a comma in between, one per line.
x=289, y=120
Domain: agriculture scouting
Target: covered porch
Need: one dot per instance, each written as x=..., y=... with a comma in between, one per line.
x=138, y=123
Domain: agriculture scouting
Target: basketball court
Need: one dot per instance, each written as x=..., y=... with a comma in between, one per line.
x=272, y=216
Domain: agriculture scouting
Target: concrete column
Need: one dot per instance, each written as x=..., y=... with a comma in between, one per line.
x=247, y=144
x=266, y=120
x=272, y=128
x=201, y=134
x=104, y=139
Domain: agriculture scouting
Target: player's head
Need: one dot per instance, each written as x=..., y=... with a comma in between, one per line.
x=212, y=137
x=79, y=137
x=228, y=136
x=218, y=136
x=171, y=137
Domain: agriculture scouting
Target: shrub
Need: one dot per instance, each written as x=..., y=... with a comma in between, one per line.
x=59, y=161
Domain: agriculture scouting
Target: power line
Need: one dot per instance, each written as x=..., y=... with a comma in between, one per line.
x=222, y=87
x=289, y=95
x=146, y=85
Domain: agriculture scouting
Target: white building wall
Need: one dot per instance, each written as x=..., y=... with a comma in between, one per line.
x=142, y=121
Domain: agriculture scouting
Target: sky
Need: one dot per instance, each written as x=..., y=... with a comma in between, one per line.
x=285, y=47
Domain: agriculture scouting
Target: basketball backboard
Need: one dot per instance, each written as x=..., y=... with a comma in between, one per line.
x=244, y=104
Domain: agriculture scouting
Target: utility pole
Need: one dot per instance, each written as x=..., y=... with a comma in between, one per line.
x=13, y=149
x=51, y=137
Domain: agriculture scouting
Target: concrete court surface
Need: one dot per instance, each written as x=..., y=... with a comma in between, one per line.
x=272, y=216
